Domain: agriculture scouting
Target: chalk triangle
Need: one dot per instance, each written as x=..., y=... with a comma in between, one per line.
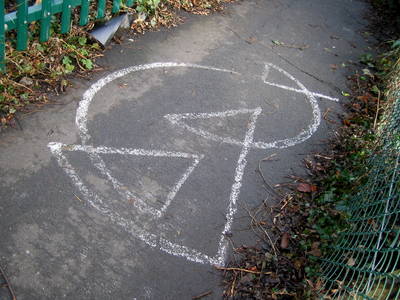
x=227, y=126
x=131, y=174
x=275, y=76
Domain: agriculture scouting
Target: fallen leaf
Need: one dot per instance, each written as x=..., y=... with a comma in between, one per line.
x=306, y=188
x=315, y=251
x=276, y=42
x=351, y=262
x=285, y=240
x=333, y=67
x=347, y=122
x=251, y=40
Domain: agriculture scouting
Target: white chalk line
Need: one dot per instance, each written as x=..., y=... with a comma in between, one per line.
x=151, y=239
x=179, y=119
x=306, y=133
x=82, y=111
x=139, y=203
x=300, y=91
x=235, y=190
x=100, y=205
x=81, y=121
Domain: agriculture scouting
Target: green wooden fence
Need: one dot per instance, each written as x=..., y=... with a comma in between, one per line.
x=20, y=19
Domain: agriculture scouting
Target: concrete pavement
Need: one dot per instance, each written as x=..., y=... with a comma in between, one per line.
x=134, y=186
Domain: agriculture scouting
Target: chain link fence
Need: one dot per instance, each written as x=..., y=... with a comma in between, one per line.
x=365, y=261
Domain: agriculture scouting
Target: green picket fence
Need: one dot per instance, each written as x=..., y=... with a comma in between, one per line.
x=20, y=19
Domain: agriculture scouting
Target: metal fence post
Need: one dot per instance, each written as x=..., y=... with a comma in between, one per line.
x=22, y=24
x=84, y=16
x=101, y=7
x=66, y=16
x=45, y=21
x=116, y=6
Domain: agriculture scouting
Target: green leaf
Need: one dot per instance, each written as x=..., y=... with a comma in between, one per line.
x=84, y=52
x=66, y=60
x=375, y=89
x=40, y=48
x=87, y=63
x=69, y=68
x=82, y=40
x=396, y=44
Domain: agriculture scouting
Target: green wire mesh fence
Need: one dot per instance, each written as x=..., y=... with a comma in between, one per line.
x=365, y=260
x=44, y=13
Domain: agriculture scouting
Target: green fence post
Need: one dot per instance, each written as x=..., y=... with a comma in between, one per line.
x=22, y=24
x=83, y=18
x=66, y=16
x=45, y=20
x=2, y=38
x=116, y=6
x=101, y=7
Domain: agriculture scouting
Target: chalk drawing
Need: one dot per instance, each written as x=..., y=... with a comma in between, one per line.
x=235, y=190
x=136, y=231
x=180, y=119
x=268, y=66
x=139, y=203
x=246, y=145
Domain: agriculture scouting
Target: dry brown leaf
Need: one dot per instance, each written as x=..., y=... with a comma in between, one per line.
x=306, y=188
x=285, y=240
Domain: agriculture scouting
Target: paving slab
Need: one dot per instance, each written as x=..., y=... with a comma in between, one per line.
x=137, y=184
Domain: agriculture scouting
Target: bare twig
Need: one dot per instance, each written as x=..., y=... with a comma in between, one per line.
x=282, y=44
x=21, y=85
x=202, y=295
x=254, y=221
x=10, y=289
x=377, y=109
x=243, y=270
x=77, y=197
x=259, y=170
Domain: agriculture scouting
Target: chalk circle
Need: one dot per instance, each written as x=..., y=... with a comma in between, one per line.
x=82, y=111
x=137, y=231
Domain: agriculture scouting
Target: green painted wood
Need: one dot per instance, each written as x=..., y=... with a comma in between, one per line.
x=2, y=38
x=45, y=21
x=84, y=15
x=66, y=16
x=116, y=6
x=101, y=8
x=22, y=24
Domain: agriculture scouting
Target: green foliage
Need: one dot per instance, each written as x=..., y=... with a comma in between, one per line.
x=67, y=62
x=149, y=7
